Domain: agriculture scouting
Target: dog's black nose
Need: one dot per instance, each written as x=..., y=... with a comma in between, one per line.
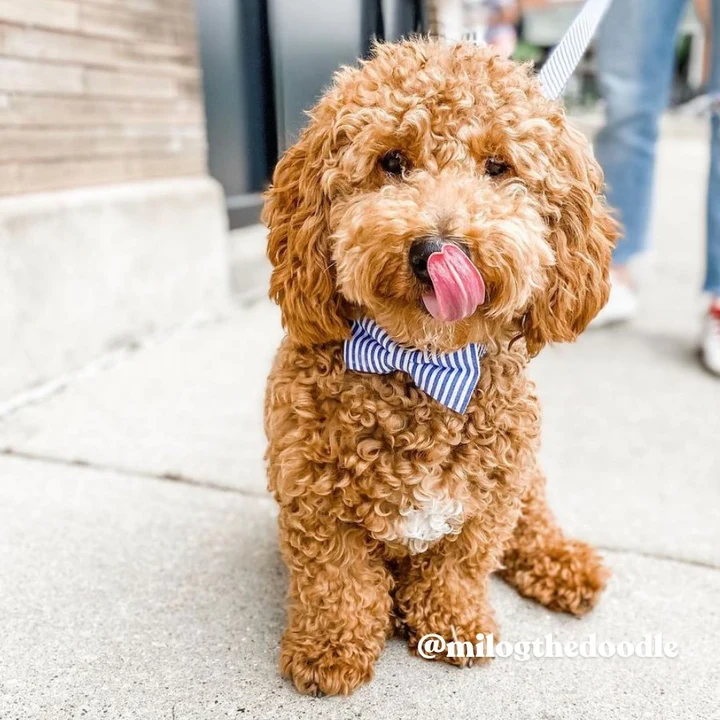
x=420, y=251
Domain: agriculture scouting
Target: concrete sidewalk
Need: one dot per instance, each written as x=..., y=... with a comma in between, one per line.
x=139, y=569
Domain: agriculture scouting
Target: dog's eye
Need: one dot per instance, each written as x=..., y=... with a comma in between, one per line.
x=394, y=163
x=496, y=168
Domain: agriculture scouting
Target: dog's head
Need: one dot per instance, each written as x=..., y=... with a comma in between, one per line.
x=438, y=192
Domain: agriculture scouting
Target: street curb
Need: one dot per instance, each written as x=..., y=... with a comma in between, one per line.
x=84, y=270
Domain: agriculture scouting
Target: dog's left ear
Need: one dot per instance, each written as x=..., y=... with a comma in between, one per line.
x=296, y=214
x=582, y=236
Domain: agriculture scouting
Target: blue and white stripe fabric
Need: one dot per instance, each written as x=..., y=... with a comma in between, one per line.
x=449, y=378
x=564, y=59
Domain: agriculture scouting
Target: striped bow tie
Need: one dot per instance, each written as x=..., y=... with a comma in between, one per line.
x=449, y=378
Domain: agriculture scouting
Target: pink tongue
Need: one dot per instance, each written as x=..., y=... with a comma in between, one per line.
x=458, y=287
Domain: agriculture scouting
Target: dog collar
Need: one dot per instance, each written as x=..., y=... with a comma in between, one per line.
x=449, y=378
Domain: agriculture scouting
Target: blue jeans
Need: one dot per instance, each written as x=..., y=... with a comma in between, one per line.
x=636, y=49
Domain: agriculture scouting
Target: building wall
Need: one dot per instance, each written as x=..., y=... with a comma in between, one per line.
x=110, y=228
x=98, y=91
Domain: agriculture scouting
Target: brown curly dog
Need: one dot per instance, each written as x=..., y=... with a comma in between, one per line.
x=395, y=509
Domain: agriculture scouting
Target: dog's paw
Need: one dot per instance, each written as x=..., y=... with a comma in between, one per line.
x=320, y=668
x=567, y=577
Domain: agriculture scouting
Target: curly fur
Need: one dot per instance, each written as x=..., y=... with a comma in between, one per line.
x=394, y=510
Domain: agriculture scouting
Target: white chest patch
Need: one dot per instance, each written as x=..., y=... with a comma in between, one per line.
x=430, y=519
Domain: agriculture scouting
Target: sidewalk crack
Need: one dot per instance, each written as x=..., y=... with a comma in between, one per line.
x=130, y=472
x=658, y=556
x=123, y=350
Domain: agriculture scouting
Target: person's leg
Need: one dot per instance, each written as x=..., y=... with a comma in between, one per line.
x=636, y=47
x=711, y=332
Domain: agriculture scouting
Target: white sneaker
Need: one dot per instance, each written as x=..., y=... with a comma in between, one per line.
x=621, y=305
x=711, y=340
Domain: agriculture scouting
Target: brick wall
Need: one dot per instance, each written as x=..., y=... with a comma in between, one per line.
x=98, y=91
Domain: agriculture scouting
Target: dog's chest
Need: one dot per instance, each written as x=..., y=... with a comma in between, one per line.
x=430, y=473
x=406, y=468
x=426, y=519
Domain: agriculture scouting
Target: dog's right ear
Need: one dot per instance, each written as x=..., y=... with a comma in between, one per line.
x=296, y=214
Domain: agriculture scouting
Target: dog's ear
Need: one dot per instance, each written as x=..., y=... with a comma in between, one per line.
x=296, y=214
x=582, y=236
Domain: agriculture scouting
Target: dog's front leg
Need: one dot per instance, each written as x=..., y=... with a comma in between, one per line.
x=443, y=591
x=543, y=564
x=339, y=604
